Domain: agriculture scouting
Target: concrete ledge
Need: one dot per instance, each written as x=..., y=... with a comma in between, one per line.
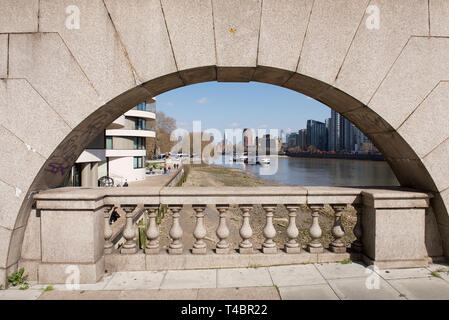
x=186, y=261
x=56, y=272
x=396, y=264
x=120, y=262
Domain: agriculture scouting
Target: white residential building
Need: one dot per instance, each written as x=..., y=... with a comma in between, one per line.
x=120, y=151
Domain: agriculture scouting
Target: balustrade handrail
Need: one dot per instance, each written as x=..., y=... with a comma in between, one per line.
x=92, y=198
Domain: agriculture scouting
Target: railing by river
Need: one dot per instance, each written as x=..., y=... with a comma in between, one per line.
x=373, y=206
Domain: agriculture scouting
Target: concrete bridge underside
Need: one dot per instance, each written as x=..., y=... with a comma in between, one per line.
x=60, y=87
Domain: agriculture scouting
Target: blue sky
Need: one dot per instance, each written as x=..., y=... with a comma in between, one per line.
x=240, y=105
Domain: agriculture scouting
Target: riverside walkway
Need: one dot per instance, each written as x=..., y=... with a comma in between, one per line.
x=333, y=281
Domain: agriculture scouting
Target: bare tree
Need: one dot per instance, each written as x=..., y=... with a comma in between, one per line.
x=163, y=126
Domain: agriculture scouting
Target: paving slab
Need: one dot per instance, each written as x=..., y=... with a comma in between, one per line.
x=432, y=288
x=357, y=289
x=253, y=293
x=339, y=270
x=161, y=294
x=185, y=279
x=404, y=273
x=312, y=292
x=135, y=280
x=296, y=275
x=30, y=294
x=80, y=295
x=243, y=277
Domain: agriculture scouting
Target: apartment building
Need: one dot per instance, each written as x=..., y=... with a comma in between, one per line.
x=119, y=152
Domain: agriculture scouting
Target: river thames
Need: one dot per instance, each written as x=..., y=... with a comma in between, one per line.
x=322, y=172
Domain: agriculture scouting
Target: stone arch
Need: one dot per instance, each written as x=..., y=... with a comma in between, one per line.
x=78, y=81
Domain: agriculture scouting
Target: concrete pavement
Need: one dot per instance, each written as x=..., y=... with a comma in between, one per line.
x=333, y=281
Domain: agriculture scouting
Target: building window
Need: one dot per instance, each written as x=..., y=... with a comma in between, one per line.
x=109, y=143
x=140, y=124
x=139, y=143
x=142, y=106
x=138, y=162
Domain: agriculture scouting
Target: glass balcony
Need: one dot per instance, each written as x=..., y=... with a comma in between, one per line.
x=149, y=107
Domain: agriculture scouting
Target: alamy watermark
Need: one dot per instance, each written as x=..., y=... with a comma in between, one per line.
x=372, y=282
x=248, y=146
x=373, y=20
x=72, y=281
x=73, y=19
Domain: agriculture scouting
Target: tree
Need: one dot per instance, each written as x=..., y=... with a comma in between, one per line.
x=163, y=127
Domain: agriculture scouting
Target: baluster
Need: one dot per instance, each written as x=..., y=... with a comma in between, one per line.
x=199, y=247
x=292, y=246
x=129, y=232
x=108, y=245
x=315, y=245
x=152, y=231
x=357, y=245
x=269, y=232
x=175, y=233
x=246, y=232
x=338, y=245
x=222, y=230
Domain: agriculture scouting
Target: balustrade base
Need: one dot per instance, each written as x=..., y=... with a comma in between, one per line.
x=292, y=249
x=315, y=249
x=175, y=250
x=199, y=250
x=246, y=250
x=152, y=250
x=270, y=250
x=128, y=250
x=233, y=259
x=337, y=249
x=222, y=250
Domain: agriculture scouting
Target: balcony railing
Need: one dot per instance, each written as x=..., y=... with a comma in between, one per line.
x=149, y=107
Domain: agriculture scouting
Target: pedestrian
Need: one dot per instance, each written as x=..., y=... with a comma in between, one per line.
x=126, y=183
x=114, y=216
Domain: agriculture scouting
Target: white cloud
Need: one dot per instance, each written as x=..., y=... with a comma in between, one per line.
x=170, y=104
x=234, y=125
x=202, y=100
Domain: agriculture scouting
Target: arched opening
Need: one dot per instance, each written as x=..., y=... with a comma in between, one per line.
x=396, y=150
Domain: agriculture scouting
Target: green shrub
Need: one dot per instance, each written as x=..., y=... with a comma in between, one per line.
x=18, y=278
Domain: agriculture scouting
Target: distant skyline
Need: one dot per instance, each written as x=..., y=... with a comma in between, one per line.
x=240, y=105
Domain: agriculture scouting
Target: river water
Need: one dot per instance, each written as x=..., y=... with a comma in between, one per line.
x=322, y=172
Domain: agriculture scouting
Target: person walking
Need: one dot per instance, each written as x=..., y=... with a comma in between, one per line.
x=114, y=216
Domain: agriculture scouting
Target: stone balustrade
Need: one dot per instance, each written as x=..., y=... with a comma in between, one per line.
x=389, y=231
